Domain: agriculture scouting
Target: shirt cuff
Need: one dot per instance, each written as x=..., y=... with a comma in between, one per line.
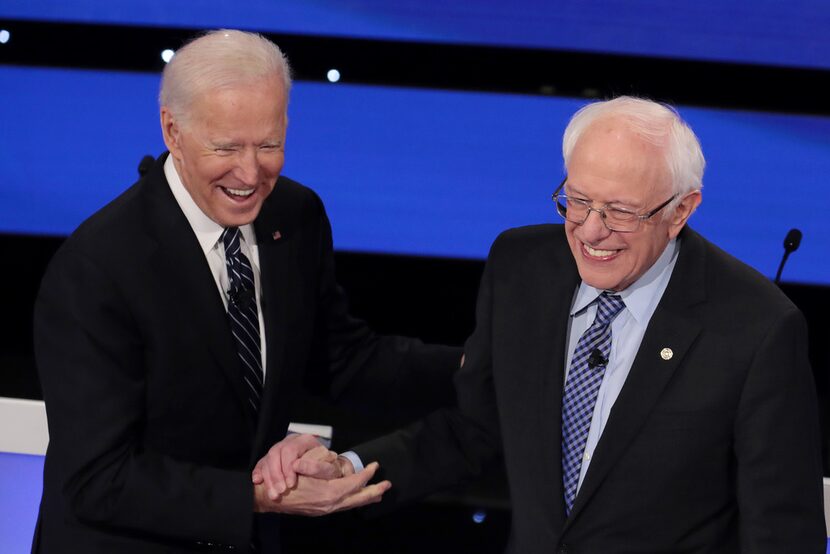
x=354, y=459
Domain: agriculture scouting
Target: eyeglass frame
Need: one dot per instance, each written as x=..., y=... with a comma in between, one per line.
x=601, y=211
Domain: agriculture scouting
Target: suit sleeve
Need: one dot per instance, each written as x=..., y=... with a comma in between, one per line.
x=91, y=363
x=451, y=445
x=384, y=376
x=777, y=447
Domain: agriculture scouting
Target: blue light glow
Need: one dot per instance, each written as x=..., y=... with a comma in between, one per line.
x=408, y=171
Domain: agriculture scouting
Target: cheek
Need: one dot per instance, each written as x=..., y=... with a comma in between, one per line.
x=269, y=160
x=569, y=231
x=214, y=169
x=572, y=241
x=643, y=255
x=273, y=166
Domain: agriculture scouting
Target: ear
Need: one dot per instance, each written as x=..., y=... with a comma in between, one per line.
x=683, y=211
x=171, y=131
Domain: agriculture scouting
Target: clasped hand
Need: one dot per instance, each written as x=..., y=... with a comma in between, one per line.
x=300, y=476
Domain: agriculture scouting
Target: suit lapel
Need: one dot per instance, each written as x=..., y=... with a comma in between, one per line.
x=274, y=257
x=669, y=328
x=189, y=281
x=559, y=282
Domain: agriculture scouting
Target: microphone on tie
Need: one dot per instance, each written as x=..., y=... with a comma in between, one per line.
x=596, y=359
x=241, y=297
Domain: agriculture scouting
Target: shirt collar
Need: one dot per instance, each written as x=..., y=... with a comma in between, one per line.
x=641, y=296
x=207, y=231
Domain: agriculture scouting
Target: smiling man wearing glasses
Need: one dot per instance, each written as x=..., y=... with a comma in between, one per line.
x=649, y=393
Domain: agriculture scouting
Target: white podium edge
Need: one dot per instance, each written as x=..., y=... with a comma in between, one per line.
x=23, y=428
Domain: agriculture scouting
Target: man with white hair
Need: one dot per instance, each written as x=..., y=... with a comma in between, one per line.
x=175, y=326
x=649, y=392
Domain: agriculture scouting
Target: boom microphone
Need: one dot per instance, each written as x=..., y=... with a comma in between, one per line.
x=791, y=243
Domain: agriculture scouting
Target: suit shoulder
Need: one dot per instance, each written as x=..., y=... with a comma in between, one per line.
x=735, y=282
x=521, y=241
x=293, y=202
x=112, y=223
x=294, y=192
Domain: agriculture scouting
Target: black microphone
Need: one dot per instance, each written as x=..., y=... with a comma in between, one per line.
x=145, y=164
x=791, y=243
x=596, y=359
x=241, y=298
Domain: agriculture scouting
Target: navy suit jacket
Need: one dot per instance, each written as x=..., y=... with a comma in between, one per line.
x=151, y=444
x=714, y=450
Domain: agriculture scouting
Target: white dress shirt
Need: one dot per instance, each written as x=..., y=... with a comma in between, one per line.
x=208, y=233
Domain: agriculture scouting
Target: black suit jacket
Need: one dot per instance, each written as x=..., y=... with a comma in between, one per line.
x=151, y=445
x=713, y=450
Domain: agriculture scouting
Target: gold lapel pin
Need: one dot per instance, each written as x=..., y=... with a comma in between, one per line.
x=666, y=353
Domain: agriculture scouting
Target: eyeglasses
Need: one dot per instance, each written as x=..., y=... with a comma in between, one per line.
x=615, y=218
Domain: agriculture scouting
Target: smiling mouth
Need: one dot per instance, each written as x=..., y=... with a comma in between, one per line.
x=596, y=253
x=237, y=193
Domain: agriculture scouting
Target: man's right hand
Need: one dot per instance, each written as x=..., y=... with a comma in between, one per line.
x=297, y=454
x=315, y=497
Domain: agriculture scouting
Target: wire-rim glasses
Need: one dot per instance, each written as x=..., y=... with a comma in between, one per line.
x=615, y=218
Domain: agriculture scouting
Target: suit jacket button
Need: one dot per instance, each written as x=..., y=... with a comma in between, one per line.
x=564, y=549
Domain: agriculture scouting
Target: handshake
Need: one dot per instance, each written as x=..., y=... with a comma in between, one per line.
x=300, y=476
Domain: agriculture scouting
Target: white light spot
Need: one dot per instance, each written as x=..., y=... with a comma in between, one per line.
x=4, y=36
x=479, y=516
x=167, y=55
x=333, y=75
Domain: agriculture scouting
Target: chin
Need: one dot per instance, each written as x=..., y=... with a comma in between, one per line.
x=602, y=282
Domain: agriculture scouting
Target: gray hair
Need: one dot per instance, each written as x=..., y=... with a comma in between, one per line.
x=657, y=123
x=216, y=60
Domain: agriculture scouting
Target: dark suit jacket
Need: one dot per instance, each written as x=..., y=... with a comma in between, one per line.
x=713, y=450
x=151, y=445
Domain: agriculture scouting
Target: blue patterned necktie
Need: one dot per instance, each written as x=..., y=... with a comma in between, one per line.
x=580, y=396
x=243, y=314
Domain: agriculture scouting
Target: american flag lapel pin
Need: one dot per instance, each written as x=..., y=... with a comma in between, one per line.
x=276, y=235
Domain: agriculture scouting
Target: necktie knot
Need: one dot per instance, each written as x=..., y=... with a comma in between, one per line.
x=608, y=306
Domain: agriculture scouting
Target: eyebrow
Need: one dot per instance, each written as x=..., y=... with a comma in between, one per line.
x=223, y=143
x=578, y=193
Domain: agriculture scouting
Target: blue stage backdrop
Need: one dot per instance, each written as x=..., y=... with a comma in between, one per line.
x=21, y=484
x=760, y=31
x=409, y=171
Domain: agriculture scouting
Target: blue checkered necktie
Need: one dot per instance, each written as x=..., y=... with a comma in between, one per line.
x=584, y=378
x=243, y=314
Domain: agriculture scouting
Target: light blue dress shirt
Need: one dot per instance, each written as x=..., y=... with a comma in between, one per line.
x=627, y=330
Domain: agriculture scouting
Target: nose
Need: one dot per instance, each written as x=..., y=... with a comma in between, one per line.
x=247, y=169
x=593, y=228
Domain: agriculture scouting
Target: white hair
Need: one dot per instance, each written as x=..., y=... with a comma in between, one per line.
x=657, y=123
x=218, y=60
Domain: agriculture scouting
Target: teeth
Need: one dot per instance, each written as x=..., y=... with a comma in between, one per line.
x=598, y=253
x=239, y=192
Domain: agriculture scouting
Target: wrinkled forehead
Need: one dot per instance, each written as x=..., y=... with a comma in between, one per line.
x=260, y=95
x=614, y=163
